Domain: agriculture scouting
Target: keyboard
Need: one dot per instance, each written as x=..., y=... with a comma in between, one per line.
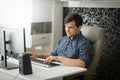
x=40, y=62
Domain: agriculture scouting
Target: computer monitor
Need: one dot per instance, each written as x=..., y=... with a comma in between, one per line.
x=12, y=42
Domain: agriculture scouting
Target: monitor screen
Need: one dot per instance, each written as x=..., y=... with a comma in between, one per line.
x=12, y=43
x=17, y=41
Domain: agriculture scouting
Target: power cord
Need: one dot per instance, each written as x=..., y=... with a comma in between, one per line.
x=16, y=77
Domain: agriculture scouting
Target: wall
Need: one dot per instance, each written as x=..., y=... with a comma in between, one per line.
x=41, y=13
x=20, y=13
x=57, y=20
x=16, y=14
x=107, y=17
x=49, y=10
x=98, y=3
x=42, y=10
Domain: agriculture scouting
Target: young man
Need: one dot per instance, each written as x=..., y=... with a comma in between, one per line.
x=73, y=49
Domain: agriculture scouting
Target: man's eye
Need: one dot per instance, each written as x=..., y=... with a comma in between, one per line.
x=71, y=27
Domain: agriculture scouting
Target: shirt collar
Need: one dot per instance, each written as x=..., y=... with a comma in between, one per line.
x=78, y=36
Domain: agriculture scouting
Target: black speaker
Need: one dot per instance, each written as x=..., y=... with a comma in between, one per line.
x=25, y=67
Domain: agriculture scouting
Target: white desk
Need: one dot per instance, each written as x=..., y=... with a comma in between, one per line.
x=40, y=73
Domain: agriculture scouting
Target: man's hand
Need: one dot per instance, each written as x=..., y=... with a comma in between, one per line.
x=50, y=59
x=34, y=55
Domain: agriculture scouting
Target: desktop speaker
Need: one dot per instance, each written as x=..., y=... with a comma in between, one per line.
x=25, y=67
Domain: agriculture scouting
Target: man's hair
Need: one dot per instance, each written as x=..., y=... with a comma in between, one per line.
x=74, y=17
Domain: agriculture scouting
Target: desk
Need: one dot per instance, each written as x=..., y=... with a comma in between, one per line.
x=40, y=73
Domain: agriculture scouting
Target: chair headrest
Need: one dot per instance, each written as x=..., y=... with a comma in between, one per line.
x=92, y=33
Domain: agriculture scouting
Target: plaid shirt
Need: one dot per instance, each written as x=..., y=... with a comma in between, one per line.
x=77, y=48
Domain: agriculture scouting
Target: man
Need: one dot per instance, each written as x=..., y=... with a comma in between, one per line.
x=73, y=49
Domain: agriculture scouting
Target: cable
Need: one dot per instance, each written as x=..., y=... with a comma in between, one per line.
x=16, y=76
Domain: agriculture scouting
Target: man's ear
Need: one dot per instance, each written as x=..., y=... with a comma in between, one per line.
x=80, y=26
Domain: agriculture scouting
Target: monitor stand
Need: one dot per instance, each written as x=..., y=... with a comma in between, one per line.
x=7, y=65
x=4, y=60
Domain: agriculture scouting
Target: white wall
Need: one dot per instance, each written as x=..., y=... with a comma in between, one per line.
x=42, y=10
x=16, y=14
x=0, y=13
x=20, y=13
x=57, y=19
x=88, y=3
x=49, y=10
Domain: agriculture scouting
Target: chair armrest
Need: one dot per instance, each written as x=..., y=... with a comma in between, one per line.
x=73, y=77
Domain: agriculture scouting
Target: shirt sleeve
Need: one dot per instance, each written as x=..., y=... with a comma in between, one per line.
x=54, y=52
x=85, y=52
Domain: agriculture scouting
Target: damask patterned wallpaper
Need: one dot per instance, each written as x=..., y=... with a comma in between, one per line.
x=109, y=20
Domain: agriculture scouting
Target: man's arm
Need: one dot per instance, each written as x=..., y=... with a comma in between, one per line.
x=36, y=55
x=66, y=61
x=71, y=62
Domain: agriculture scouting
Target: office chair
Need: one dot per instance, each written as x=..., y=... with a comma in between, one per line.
x=96, y=36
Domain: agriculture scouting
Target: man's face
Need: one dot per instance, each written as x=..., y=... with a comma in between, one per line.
x=71, y=29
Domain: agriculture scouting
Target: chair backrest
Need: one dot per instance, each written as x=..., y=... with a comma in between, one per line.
x=97, y=36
